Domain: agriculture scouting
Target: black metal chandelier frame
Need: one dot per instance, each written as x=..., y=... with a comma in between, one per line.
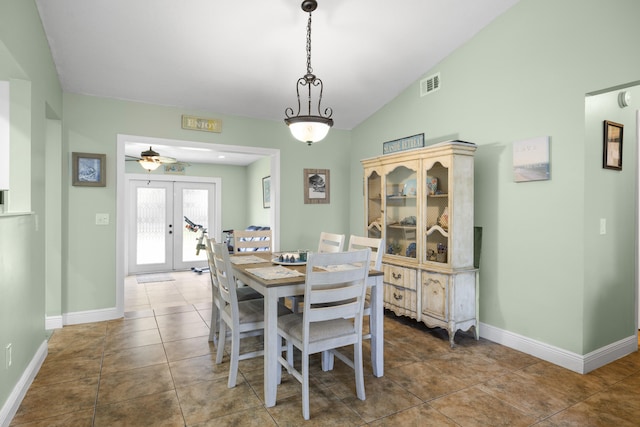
x=309, y=80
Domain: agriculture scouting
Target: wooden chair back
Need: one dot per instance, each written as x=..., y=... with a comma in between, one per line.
x=335, y=289
x=225, y=278
x=376, y=246
x=330, y=242
x=251, y=240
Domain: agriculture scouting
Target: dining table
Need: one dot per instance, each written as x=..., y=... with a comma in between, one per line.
x=275, y=280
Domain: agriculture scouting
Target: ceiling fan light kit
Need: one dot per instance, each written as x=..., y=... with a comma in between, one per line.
x=149, y=165
x=151, y=160
x=307, y=127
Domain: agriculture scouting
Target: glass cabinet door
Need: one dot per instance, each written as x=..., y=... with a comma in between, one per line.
x=373, y=186
x=437, y=214
x=401, y=212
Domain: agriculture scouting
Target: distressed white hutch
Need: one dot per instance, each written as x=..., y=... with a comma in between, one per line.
x=421, y=202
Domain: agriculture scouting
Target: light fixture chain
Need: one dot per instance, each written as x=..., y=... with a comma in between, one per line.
x=309, y=69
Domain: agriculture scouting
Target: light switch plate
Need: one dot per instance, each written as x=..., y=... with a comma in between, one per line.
x=102, y=219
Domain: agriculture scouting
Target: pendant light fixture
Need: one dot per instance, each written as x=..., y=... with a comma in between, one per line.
x=309, y=128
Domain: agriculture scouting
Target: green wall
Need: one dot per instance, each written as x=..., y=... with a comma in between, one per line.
x=91, y=124
x=26, y=62
x=524, y=76
x=257, y=214
x=609, y=303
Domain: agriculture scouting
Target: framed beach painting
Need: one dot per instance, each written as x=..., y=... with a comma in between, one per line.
x=88, y=169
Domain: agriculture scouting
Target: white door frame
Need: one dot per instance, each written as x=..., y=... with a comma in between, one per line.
x=122, y=139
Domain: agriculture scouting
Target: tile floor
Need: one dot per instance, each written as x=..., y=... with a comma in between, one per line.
x=155, y=367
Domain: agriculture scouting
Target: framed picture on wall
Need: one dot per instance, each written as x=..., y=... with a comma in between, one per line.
x=266, y=192
x=316, y=186
x=88, y=169
x=612, y=150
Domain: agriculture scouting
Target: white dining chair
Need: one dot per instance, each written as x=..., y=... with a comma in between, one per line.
x=243, y=318
x=377, y=250
x=330, y=242
x=334, y=293
x=244, y=293
x=251, y=240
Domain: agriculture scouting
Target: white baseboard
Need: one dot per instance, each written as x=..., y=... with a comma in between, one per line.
x=609, y=353
x=581, y=364
x=14, y=400
x=52, y=322
x=101, y=315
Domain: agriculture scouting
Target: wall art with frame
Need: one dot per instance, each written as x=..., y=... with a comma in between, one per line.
x=266, y=192
x=88, y=169
x=612, y=145
x=316, y=186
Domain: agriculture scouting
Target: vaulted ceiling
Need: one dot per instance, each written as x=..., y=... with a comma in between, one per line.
x=243, y=58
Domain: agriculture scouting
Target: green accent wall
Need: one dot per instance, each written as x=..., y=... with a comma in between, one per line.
x=545, y=272
x=25, y=61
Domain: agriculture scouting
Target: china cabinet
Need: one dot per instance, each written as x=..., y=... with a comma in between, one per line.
x=421, y=203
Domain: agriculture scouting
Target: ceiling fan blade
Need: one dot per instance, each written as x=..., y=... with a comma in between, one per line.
x=163, y=159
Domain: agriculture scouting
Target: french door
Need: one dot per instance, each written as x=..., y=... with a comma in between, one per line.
x=159, y=236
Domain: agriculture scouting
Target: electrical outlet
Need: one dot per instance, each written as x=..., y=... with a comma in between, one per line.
x=603, y=226
x=8, y=355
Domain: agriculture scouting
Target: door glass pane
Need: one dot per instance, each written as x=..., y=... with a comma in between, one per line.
x=195, y=206
x=151, y=225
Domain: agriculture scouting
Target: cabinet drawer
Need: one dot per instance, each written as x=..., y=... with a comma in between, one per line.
x=400, y=276
x=435, y=289
x=402, y=301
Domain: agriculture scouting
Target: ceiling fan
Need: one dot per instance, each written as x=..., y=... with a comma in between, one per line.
x=151, y=160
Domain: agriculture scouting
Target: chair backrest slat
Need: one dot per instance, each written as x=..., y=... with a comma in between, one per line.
x=330, y=242
x=251, y=240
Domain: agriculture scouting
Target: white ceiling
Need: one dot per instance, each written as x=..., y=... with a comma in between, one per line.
x=243, y=58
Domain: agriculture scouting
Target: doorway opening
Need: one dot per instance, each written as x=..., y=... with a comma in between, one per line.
x=216, y=232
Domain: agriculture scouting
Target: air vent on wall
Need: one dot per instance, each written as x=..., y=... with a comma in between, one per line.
x=429, y=84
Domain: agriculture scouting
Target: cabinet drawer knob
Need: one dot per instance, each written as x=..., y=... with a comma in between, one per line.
x=397, y=297
x=396, y=275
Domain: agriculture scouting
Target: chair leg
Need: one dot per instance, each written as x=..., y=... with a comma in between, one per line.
x=357, y=366
x=289, y=355
x=222, y=338
x=235, y=356
x=215, y=314
x=327, y=361
x=305, y=385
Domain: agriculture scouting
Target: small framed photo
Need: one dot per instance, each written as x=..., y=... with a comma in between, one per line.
x=266, y=192
x=612, y=149
x=316, y=186
x=88, y=169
